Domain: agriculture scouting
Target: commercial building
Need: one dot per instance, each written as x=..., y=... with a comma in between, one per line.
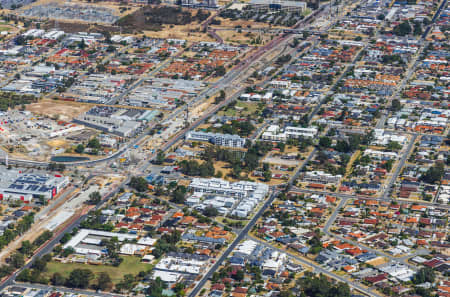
x=16, y=185
x=217, y=138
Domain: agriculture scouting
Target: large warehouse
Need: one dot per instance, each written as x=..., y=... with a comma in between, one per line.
x=16, y=185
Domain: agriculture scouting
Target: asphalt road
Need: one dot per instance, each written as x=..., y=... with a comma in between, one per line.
x=411, y=69
x=229, y=77
x=241, y=235
x=49, y=245
x=399, y=167
x=331, y=221
x=319, y=269
x=348, y=196
x=243, y=232
x=69, y=291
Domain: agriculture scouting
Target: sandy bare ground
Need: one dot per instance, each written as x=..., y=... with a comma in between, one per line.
x=65, y=110
x=185, y=32
x=228, y=23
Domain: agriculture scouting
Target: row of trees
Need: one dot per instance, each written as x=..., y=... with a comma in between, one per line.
x=166, y=243
x=407, y=27
x=11, y=100
x=312, y=285
x=17, y=259
x=351, y=144
x=56, y=167
x=239, y=161
x=78, y=278
x=194, y=168
x=93, y=144
x=16, y=230
x=241, y=128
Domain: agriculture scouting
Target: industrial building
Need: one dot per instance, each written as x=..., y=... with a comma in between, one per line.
x=217, y=138
x=121, y=122
x=200, y=3
x=15, y=185
x=277, y=5
x=163, y=92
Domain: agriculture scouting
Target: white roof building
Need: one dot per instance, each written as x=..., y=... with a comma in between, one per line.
x=275, y=133
x=88, y=241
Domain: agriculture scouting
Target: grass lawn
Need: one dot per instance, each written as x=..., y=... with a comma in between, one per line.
x=249, y=108
x=130, y=265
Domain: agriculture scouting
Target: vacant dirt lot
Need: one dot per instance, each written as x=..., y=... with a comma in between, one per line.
x=64, y=109
x=377, y=261
x=187, y=32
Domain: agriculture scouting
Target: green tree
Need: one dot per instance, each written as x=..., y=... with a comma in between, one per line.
x=24, y=276
x=325, y=142
x=434, y=174
x=267, y=175
x=423, y=275
x=160, y=157
x=417, y=28
x=396, y=105
x=127, y=283
x=220, y=71
x=79, y=149
x=394, y=146
x=239, y=276
x=402, y=29
x=82, y=44
x=210, y=211
x=40, y=264
x=104, y=281
x=26, y=248
x=57, y=279
x=139, y=183
x=94, y=143
x=17, y=260
x=79, y=278
x=95, y=197
x=179, y=195
x=67, y=251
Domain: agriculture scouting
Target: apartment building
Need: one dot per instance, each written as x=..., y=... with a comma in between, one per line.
x=275, y=133
x=217, y=138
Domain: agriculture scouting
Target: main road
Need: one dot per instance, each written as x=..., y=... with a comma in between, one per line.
x=241, y=235
x=50, y=244
x=243, y=232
